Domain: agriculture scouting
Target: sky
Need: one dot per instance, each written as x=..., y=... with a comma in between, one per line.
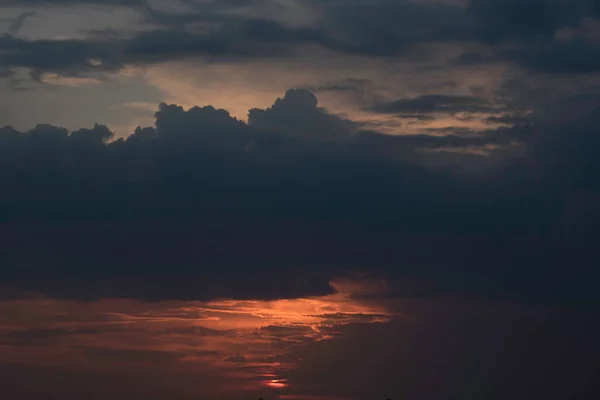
x=299, y=199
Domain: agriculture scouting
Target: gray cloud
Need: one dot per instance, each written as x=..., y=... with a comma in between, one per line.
x=380, y=29
x=18, y=22
x=65, y=57
x=249, y=38
x=434, y=104
x=6, y=73
x=575, y=56
x=385, y=28
x=345, y=85
x=502, y=21
x=37, y=3
x=473, y=59
x=511, y=119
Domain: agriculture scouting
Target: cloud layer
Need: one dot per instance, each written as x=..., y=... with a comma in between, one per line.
x=376, y=29
x=203, y=205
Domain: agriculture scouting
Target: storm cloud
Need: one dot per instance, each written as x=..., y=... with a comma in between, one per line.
x=203, y=205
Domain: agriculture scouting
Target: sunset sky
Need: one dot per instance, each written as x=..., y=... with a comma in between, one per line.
x=299, y=199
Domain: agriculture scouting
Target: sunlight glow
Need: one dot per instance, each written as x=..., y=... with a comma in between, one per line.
x=250, y=343
x=276, y=383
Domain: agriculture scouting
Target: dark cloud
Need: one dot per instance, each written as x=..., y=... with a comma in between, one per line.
x=238, y=359
x=64, y=57
x=510, y=20
x=511, y=119
x=207, y=353
x=37, y=3
x=18, y=22
x=473, y=59
x=286, y=331
x=247, y=38
x=332, y=321
x=381, y=28
x=130, y=355
x=418, y=117
x=31, y=337
x=297, y=114
x=204, y=206
x=55, y=336
x=434, y=104
x=387, y=28
x=436, y=138
x=194, y=330
x=575, y=56
x=532, y=27
x=345, y=85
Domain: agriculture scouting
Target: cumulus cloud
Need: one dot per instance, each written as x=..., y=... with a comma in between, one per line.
x=203, y=205
x=297, y=114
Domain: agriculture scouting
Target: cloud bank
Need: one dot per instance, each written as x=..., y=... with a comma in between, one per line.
x=202, y=205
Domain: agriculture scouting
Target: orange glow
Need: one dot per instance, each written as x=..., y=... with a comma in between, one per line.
x=243, y=344
x=276, y=383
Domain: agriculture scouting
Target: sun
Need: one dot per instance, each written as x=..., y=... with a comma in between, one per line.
x=276, y=383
